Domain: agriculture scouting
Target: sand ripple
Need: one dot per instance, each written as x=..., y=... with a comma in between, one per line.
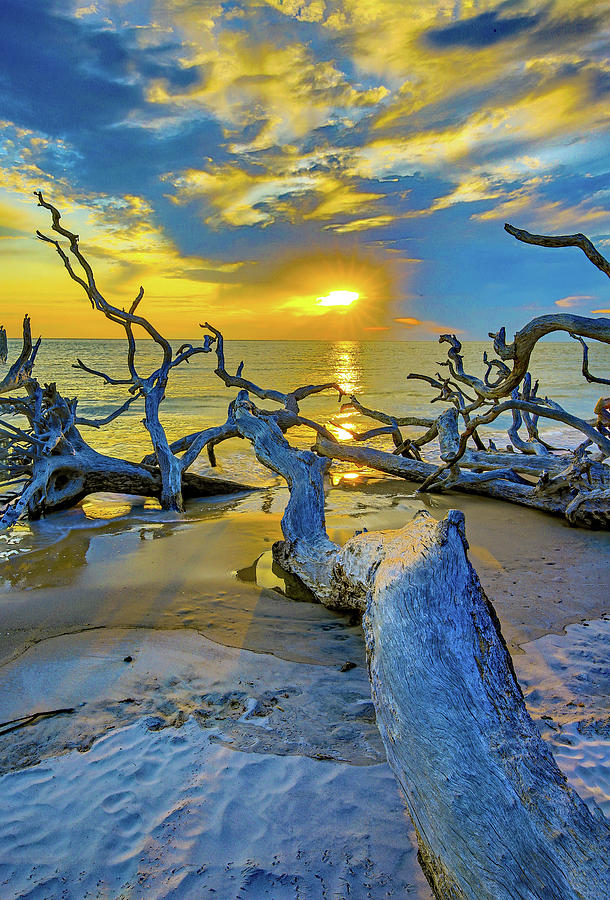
x=203, y=818
x=566, y=683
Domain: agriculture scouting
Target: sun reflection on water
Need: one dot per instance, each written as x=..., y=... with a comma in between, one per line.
x=347, y=370
x=337, y=477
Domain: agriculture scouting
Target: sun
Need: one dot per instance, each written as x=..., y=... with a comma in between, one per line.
x=338, y=298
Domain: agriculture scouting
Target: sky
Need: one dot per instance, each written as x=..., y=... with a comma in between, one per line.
x=245, y=162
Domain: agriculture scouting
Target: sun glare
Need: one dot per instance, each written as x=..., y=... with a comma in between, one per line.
x=338, y=298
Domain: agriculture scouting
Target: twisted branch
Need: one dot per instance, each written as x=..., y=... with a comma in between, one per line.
x=563, y=240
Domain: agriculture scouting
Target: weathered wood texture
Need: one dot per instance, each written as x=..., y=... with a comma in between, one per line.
x=53, y=466
x=495, y=817
x=62, y=479
x=20, y=372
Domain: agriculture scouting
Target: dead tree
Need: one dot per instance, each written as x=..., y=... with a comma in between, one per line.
x=20, y=373
x=494, y=816
x=150, y=387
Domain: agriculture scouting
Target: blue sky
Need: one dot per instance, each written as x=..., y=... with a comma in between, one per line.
x=241, y=160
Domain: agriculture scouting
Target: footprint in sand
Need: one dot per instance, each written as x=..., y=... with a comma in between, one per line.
x=117, y=802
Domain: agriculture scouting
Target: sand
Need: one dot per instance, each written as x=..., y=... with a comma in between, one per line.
x=232, y=776
x=198, y=733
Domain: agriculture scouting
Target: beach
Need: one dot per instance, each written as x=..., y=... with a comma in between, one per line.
x=349, y=259
x=196, y=725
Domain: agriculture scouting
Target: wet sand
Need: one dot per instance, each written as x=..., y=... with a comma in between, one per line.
x=147, y=630
x=213, y=573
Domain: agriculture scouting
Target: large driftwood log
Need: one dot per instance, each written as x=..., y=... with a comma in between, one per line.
x=495, y=818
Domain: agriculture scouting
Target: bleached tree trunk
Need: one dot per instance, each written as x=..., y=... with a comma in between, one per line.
x=494, y=816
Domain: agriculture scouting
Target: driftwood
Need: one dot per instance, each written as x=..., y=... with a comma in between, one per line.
x=19, y=374
x=150, y=387
x=574, y=484
x=564, y=491
x=494, y=816
x=50, y=463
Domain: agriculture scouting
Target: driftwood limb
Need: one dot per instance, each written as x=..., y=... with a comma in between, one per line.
x=592, y=379
x=520, y=350
x=99, y=423
x=290, y=401
x=593, y=515
x=563, y=240
x=303, y=522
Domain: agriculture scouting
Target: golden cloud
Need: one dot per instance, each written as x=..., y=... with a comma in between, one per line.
x=574, y=300
x=427, y=326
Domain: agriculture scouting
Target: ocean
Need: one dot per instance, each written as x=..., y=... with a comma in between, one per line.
x=374, y=371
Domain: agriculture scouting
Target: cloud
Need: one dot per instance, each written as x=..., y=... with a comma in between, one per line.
x=574, y=300
x=365, y=224
x=427, y=326
x=204, y=144
x=66, y=74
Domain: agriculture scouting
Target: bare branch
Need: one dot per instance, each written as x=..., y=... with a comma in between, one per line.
x=290, y=401
x=520, y=350
x=108, y=379
x=564, y=240
x=89, y=286
x=400, y=421
x=210, y=435
x=592, y=379
x=99, y=423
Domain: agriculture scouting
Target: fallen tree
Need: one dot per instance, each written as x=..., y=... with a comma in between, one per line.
x=494, y=816
x=49, y=462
